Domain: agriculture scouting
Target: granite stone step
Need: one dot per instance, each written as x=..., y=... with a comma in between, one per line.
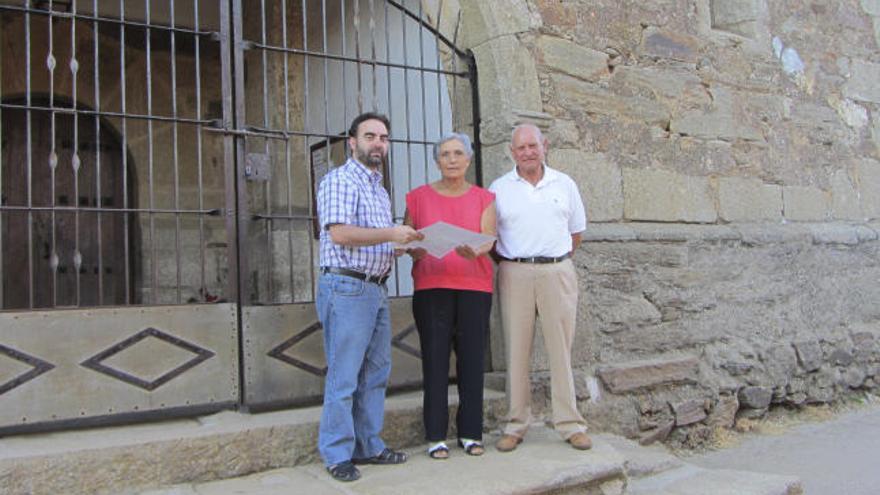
x=543, y=463
x=127, y=459
x=692, y=480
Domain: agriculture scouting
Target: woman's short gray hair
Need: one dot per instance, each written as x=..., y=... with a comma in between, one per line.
x=458, y=136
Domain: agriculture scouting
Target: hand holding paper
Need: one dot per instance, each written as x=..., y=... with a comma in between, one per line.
x=442, y=238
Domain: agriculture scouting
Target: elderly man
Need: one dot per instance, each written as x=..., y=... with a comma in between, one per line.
x=357, y=233
x=540, y=221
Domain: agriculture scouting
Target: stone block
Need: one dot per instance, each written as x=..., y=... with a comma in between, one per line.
x=657, y=434
x=875, y=125
x=665, y=44
x=621, y=311
x=850, y=112
x=854, y=377
x=660, y=195
x=862, y=84
x=805, y=204
x=755, y=397
x=496, y=162
x=640, y=374
x=490, y=19
x=868, y=178
x=825, y=233
x=507, y=78
x=724, y=412
x=748, y=200
x=844, y=198
x=723, y=120
x=809, y=355
x=871, y=7
x=593, y=99
x=572, y=59
x=689, y=411
x=780, y=363
x=661, y=83
x=841, y=356
x=598, y=178
x=734, y=16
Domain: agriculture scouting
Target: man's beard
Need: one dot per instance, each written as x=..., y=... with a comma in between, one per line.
x=370, y=160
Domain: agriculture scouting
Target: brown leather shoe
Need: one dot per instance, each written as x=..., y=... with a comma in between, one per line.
x=507, y=443
x=580, y=441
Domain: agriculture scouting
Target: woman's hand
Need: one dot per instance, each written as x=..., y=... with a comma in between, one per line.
x=466, y=252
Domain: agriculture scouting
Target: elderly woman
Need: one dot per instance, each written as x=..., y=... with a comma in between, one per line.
x=453, y=296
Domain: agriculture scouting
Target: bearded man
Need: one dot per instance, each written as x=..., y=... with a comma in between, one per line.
x=357, y=237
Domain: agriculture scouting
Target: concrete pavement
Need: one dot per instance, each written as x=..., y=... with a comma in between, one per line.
x=835, y=457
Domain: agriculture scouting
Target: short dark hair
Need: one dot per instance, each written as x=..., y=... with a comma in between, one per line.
x=352, y=131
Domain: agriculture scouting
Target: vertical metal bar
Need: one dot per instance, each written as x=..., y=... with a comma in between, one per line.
x=373, y=56
x=98, y=215
x=357, y=54
x=53, y=159
x=455, y=57
x=342, y=30
x=199, y=135
x=422, y=87
x=289, y=197
x=307, y=127
x=232, y=79
x=2, y=257
x=125, y=198
x=391, y=180
x=154, y=260
x=409, y=178
x=174, y=150
x=439, y=75
x=475, y=104
x=76, y=162
x=270, y=266
x=30, y=157
x=324, y=50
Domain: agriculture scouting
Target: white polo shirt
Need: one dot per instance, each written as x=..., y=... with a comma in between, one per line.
x=537, y=220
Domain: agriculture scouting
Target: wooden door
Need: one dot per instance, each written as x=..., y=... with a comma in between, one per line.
x=76, y=240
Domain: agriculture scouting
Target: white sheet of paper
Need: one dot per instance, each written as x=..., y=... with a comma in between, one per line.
x=442, y=238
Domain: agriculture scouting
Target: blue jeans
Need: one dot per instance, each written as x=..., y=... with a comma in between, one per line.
x=357, y=344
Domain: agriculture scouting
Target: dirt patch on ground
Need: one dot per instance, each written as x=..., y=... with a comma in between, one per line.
x=776, y=422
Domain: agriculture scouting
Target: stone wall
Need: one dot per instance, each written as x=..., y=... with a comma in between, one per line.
x=729, y=155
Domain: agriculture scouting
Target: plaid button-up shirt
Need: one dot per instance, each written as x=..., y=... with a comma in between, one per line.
x=352, y=194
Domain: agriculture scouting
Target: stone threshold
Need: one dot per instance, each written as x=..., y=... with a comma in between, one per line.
x=122, y=459
x=543, y=463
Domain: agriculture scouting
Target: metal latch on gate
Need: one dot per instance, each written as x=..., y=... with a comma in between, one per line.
x=256, y=167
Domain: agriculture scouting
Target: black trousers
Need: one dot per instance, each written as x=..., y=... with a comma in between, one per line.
x=450, y=319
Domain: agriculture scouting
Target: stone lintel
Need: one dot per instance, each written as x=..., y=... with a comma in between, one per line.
x=749, y=233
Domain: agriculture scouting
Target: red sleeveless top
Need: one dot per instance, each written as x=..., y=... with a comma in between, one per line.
x=426, y=207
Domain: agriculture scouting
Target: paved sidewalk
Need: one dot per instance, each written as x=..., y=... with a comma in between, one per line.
x=835, y=457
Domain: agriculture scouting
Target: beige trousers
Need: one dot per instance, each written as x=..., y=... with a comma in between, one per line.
x=551, y=292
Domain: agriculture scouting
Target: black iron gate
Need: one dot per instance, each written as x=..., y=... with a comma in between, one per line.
x=159, y=165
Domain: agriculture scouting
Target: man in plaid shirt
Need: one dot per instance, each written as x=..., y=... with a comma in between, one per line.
x=357, y=236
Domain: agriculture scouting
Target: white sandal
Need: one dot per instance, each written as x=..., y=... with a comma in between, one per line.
x=472, y=447
x=438, y=451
